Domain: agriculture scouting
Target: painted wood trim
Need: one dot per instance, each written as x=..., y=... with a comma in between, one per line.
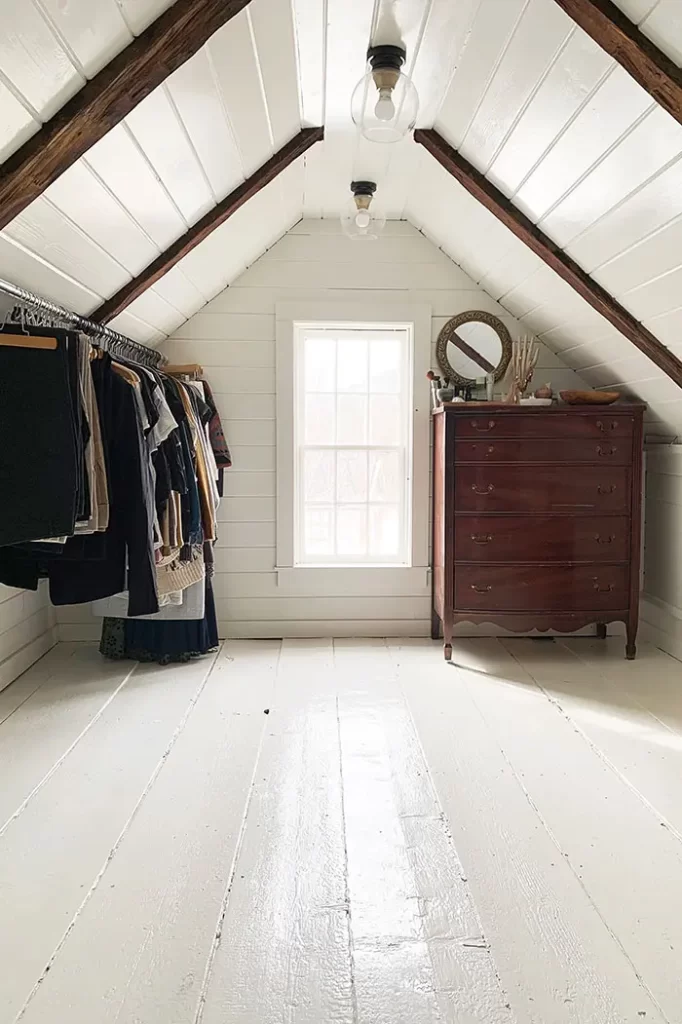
x=109, y=97
x=549, y=252
x=622, y=40
x=295, y=148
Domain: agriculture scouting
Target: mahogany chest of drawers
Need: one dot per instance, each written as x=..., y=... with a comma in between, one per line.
x=536, y=517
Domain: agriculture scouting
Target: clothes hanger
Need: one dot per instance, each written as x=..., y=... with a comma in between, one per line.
x=24, y=340
x=180, y=370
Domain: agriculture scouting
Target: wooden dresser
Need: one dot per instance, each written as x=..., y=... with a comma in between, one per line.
x=536, y=517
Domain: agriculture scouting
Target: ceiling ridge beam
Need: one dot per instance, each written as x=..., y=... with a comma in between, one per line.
x=621, y=39
x=549, y=252
x=183, y=245
x=105, y=100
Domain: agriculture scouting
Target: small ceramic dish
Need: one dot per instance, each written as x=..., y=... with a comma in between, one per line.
x=535, y=401
x=589, y=397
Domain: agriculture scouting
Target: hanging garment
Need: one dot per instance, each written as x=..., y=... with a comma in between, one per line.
x=40, y=468
x=191, y=607
x=93, y=574
x=163, y=642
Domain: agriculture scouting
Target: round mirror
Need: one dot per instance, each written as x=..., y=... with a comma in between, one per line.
x=472, y=345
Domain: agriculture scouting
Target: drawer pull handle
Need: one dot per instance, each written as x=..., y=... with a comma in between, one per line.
x=481, y=590
x=481, y=538
x=488, y=490
x=603, y=590
x=475, y=425
x=606, y=451
x=604, y=540
x=606, y=426
x=606, y=490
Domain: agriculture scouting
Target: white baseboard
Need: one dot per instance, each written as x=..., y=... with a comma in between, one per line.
x=26, y=656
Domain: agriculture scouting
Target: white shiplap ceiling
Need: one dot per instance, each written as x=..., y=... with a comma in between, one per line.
x=528, y=98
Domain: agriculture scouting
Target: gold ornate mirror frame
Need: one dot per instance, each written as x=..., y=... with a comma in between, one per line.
x=449, y=334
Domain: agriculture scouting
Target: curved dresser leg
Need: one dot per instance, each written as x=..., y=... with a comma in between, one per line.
x=435, y=624
x=601, y=631
x=447, y=652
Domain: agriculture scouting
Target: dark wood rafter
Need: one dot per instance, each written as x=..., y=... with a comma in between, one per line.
x=486, y=193
x=623, y=41
x=208, y=223
x=103, y=102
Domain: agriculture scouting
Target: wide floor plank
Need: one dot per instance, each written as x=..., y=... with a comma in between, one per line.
x=53, y=854
x=43, y=728
x=284, y=950
x=151, y=923
x=416, y=936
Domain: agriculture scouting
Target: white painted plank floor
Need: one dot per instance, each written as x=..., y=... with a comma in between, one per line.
x=344, y=832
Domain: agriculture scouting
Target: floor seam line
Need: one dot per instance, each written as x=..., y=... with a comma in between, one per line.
x=351, y=943
x=121, y=836
x=217, y=934
x=58, y=763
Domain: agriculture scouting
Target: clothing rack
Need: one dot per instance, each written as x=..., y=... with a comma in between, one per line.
x=103, y=337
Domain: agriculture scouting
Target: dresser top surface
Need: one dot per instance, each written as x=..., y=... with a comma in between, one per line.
x=505, y=409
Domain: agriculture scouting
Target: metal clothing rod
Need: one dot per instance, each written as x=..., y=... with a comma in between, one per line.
x=110, y=340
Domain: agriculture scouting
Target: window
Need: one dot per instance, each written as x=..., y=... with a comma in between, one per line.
x=352, y=433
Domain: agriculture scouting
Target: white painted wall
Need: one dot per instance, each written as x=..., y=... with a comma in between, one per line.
x=661, y=612
x=26, y=630
x=233, y=337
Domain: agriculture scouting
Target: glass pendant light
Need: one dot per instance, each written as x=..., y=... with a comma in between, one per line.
x=385, y=103
x=360, y=218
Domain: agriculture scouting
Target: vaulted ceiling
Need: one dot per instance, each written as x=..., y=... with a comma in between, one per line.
x=522, y=92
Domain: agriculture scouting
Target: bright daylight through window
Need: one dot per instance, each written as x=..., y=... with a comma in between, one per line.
x=352, y=444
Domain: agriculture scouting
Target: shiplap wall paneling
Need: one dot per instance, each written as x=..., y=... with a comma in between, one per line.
x=233, y=337
x=26, y=630
x=662, y=598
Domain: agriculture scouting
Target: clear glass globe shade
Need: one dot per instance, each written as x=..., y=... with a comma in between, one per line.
x=370, y=109
x=363, y=219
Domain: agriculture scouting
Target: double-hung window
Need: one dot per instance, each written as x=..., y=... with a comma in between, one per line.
x=352, y=444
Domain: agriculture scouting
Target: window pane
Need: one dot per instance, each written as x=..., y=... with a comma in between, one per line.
x=351, y=476
x=351, y=530
x=320, y=364
x=318, y=531
x=384, y=476
x=384, y=365
x=384, y=530
x=384, y=419
x=351, y=419
x=319, y=419
x=318, y=476
x=352, y=364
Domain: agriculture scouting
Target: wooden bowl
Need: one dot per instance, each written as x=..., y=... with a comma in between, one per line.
x=589, y=397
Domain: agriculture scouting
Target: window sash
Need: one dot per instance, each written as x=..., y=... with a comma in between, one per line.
x=402, y=557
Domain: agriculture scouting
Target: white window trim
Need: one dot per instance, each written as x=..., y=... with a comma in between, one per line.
x=352, y=314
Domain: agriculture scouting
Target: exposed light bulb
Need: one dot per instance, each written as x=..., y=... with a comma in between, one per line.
x=362, y=219
x=384, y=109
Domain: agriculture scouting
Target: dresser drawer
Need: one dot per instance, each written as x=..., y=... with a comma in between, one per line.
x=542, y=539
x=605, y=452
x=605, y=424
x=516, y=588
x=542, y=489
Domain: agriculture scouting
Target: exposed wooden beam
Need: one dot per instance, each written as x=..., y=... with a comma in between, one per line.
x=548, y=251
x=109, y=97
x=617, y=35
x=208, y=223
